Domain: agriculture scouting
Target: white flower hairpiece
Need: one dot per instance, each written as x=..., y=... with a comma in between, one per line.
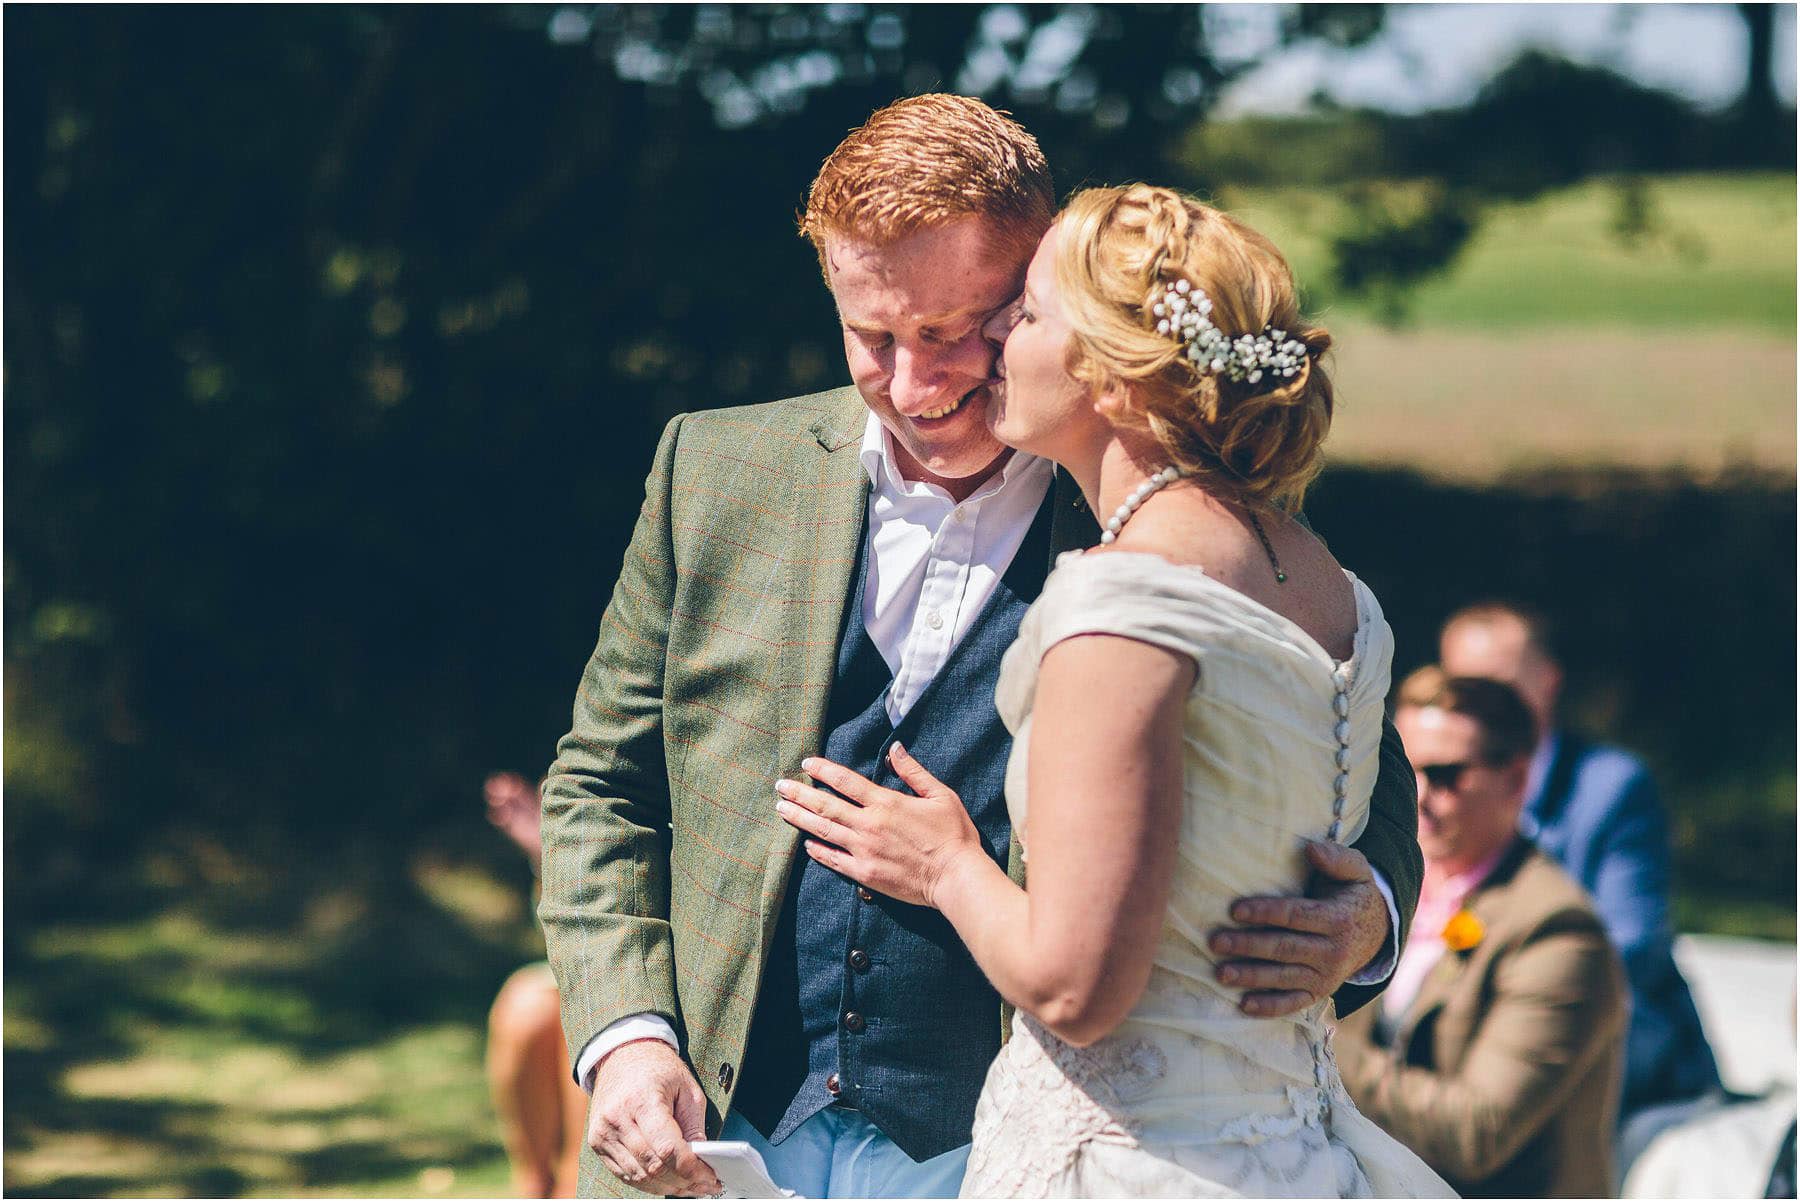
x=1184, y=312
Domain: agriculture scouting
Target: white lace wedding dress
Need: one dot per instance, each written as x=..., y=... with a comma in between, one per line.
x=1189, y=1097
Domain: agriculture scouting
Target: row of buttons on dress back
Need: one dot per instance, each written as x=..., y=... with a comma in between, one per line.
x=1341, y=786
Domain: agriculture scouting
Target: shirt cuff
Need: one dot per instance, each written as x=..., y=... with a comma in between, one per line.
x=1382, y=966
x=629, y=1029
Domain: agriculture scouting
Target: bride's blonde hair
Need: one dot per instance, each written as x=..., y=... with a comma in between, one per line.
x=1119, y=250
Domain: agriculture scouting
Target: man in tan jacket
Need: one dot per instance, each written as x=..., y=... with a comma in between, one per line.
x=1497, y=1051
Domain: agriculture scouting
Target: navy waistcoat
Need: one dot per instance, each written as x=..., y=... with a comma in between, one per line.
x=864, y=1000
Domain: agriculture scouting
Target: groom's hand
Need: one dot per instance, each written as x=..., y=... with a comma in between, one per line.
x=1293, y=951
x=646, y=1113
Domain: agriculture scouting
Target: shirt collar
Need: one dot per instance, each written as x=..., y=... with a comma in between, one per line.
x=877, y=457
x=1450, y=896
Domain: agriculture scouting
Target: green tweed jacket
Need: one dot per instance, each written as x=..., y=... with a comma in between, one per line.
x=664, y=861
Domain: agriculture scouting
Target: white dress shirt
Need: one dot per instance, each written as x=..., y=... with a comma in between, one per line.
x=933, y=562
x=932, y=565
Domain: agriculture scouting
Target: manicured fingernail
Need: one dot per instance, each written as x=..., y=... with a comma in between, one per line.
x=784, y=787
x=808, y=764
x=1228, y=975
x=897, y=749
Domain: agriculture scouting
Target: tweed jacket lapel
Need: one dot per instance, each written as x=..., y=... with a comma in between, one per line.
x=1487, y=902
x=1434, y=993
x=829, y=520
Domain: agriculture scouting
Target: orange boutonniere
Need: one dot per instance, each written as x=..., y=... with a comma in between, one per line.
x=1463, y=931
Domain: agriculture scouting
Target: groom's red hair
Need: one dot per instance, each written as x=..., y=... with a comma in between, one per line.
x=926, y=161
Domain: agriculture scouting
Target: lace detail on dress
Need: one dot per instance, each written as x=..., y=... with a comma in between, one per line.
x=1057, y=1121
x=1122, y=1070
x=1045, y=1094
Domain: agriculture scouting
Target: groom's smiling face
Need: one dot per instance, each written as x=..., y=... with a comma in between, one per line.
x=912, y=313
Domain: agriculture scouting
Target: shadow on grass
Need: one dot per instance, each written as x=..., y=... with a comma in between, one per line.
x=371, y=1160
x=188, y=1165
x=180, y=979
x=208, y=1181
x=78, y=1185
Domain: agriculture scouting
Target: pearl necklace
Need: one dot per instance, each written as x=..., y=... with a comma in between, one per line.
x=1161, y=480
x=1140, y=494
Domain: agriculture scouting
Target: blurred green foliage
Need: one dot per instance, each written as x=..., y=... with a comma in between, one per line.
x=1413, y=188
x=337, y=339
x=1540, y=122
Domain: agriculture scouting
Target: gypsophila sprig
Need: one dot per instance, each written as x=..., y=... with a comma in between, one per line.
x=1185, y=312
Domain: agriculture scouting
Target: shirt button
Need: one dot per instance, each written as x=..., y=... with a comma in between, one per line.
x=859, y=960
x=855, y=1023
x=864, y=893
x=957, y=515
x=831, y=1085
x=935, y=620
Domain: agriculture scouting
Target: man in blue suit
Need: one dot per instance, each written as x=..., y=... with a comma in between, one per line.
x=1596, y=811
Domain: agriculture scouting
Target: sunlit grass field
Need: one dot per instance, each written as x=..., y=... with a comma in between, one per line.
x=1462, y=404
x=1551, y=341
x=1717, y=254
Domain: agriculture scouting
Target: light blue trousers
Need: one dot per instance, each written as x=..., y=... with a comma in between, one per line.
x=840, y=1154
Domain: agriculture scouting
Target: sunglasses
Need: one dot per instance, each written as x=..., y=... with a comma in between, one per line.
x=1447, y=777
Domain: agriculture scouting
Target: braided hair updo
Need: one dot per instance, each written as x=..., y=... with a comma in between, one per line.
x=1119, y=250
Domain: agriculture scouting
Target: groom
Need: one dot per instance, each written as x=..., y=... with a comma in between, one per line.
x=828, y=574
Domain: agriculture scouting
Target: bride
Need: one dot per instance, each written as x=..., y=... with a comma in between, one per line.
x=1189, y=702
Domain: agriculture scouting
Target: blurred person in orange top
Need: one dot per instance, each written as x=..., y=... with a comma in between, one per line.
x=1497, y=1051
x=542, y=1111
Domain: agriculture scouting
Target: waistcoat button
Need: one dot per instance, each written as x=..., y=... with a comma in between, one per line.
x=726, y=1073
x=854, y=1023
x=831, y=1085
x=859, y=960
x=864, y=893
